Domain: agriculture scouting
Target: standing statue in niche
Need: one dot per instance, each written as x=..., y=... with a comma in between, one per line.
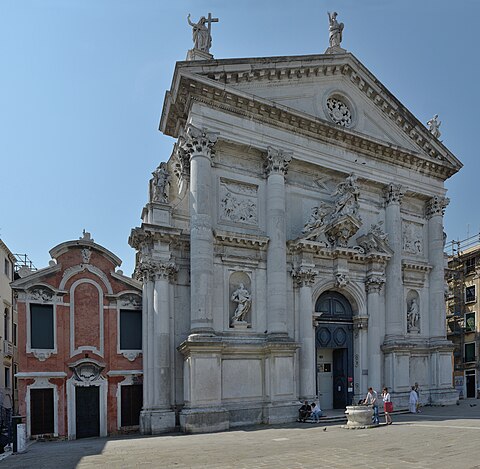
x=346, y=202
x=335, y=30
x=434, y=126
x=242, y=297
x=202, y=37
x=160, y=182
x=413, y=316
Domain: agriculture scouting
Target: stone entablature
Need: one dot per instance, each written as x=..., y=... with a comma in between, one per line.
x=82, y=296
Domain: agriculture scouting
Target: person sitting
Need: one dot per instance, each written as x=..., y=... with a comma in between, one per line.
x=304, y=412
x=316, y=412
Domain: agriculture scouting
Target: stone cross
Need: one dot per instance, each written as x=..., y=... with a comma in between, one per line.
x=211, y=20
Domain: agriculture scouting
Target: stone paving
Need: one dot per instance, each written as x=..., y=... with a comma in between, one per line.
x=439, y=437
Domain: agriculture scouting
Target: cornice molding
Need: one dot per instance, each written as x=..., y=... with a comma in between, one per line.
x=437, y=160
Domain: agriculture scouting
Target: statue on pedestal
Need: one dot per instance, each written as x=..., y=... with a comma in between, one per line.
x=201, y=31
x=413, y=316
x=335, y=29
x=160, y=182
x=434, y=126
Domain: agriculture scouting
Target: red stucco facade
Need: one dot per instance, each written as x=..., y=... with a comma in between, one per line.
x=72, y=362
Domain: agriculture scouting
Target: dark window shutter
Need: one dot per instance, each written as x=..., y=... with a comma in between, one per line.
x=41, y=326
x=130, y=329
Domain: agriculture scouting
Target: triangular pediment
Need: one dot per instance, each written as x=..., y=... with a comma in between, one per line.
x=336, y=90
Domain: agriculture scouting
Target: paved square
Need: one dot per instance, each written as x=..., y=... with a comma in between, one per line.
x=439, y=437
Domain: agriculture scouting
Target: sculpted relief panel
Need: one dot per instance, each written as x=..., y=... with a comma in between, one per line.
x=413, y=238
x=238, y=202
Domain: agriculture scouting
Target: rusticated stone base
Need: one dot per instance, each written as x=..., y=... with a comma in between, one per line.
x=205, y=420
x=154, y=422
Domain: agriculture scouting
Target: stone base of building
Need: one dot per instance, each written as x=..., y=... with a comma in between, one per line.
x=204, y=420
x=443, y=396
x=154, y=422
x=281, y=412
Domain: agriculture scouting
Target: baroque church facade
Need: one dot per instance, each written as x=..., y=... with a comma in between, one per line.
x=292, y=245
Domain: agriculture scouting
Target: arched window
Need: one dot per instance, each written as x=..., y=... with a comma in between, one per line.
x=333, y=306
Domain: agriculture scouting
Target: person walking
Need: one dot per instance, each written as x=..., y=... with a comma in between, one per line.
x=417, y=390
x=413, y=401
x=372, y=399
x=387, y=406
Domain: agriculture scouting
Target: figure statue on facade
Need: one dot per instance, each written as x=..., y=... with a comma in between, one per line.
x=335, y=30
x=160, y=183
x=413, y=316
x=242, y=297
x=347, y=192
x=434, y=126
x=201, y=32
x=317, y=218
x=376, y=229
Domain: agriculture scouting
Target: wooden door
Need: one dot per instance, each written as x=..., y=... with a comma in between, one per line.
x=87, y=407
x=41, y=411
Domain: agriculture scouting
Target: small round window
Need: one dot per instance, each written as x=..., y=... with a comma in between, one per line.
x=339, y=112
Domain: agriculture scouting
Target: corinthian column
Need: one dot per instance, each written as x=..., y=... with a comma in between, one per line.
x=277, y=162
x=304, y=278
x=393, y=288
x=435, y=209
x=375, y=309
x=198, y=146
x=164, y=271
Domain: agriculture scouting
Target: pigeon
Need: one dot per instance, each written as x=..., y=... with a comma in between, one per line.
x=324, y=429
x=473, y=405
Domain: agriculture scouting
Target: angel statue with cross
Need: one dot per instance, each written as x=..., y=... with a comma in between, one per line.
x=202, y=37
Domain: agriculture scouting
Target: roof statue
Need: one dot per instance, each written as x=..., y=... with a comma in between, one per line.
x=434, y=126
x=335, y=34
x=202, y=37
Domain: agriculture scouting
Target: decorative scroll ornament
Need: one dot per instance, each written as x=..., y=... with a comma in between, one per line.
x=436, y=206
x=197, y=141
x=87, y=372
x=159, y=184
x=131, y=300
x=374, y=283
x=434, y=126
x=41, y=294
x=304, y=276
x=42, y=355
x=393, y=193
x=341, y=280
x=131, y=355
x=181, y=161
x=339, y=112
x=86, y=254
x=277, y=161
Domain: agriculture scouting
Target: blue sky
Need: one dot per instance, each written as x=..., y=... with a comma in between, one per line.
x=82, y=85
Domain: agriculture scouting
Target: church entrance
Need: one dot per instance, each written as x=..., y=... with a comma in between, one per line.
x=334, y=346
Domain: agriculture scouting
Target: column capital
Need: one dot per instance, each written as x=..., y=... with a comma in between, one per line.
x=165, y=271
x=151, y=269
x=374, y=283
x=436, y=206
x=304, y=276
x=393, y=193
x=277, y=161
x=197, y=141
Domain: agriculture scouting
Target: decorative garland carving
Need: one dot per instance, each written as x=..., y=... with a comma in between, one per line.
x=374, y=283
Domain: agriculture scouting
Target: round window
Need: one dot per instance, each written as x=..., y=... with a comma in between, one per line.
x=339, y=112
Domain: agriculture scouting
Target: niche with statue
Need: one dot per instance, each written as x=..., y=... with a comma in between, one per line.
x=240, y=304
x=413, y=312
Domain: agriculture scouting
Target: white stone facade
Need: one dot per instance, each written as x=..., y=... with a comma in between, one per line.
x=304, y=183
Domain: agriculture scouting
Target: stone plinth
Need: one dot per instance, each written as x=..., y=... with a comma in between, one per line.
x=154, y=422
x=359, y=417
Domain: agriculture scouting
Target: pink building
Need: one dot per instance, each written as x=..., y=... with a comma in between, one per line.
x=80, y=344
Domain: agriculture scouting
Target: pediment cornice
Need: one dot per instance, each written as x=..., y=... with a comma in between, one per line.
x=211, y=83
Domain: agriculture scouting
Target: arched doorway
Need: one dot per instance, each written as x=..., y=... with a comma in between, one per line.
x=334, y=350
